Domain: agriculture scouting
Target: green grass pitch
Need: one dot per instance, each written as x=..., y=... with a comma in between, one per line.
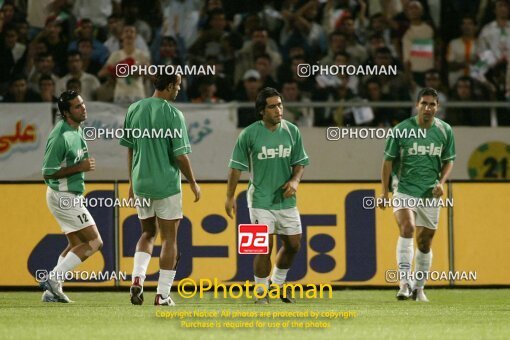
x=451, y=314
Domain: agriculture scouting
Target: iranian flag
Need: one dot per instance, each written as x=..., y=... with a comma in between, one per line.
x=423, y=48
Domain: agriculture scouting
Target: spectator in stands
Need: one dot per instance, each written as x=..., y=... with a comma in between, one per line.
x=265, y=68
x=89, y=83
x=337, y=44
x=495, y=36
x=98, y=11
x=131, y=88
x=115, y=31
x=85, y=30
x=73, y=84
x=258, y=45
x=12, y=55
x=418, y=43
x=47, y=86
x=19, y=91
x=181, y=20
x=357, y=51
x=44, y=64
x=299, y=115
x=379, y=27
x=56, y=43
x=352, y=82
x=383, y=116
x=130, y=11
x=168, y=53
x=88, y=64
x=396, y=86
x=464, y=90
x=301, y=24
x=248, y=93
x=462, y=51
x=22, y=28
x=209, y=40
x=207, y=89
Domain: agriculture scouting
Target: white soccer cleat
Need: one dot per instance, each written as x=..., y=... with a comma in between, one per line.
x=419, y=295
x=48, y=297
x=55, y=288
x=404, y=292
x=159, y=301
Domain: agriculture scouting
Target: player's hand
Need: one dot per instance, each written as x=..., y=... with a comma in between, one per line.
x=131, y=194
x=290, y=188
x=438, y=190
x=88, y=164
x=196, y=190
x=382, y=199
x=230, y=205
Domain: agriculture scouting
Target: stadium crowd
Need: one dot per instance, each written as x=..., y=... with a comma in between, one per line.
x=459, y=47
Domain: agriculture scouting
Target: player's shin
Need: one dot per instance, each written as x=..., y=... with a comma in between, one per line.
x=141, y=262
x=422, y=265
x=405, y=251
x=279, y=275
x=166, y=279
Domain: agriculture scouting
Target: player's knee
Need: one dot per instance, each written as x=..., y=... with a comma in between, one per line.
x=407, y=230
x=96, y=244
x=423, y=245
x=293, y=248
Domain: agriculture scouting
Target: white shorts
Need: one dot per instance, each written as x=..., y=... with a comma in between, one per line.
x=427, y=217
x=280, y=222
x=70, y=216
x=169, y=208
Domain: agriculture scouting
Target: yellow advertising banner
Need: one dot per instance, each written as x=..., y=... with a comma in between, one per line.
x=345, y=241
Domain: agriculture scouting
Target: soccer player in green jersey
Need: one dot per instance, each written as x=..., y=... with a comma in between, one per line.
x=155, y=166
x=271, y=149
x=418, y=167
x=66, y=159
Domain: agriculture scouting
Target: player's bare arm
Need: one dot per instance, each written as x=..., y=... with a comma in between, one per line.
x=445, y=173
x=185, y=167
x=385, y=181
x=230, y=203
x=130, y=164
x=86, y=165
x=292, y=185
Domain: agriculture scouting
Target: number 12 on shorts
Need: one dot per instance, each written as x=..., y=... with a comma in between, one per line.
x=253, y=239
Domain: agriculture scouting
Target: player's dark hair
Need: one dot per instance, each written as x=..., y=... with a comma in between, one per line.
x=63, y=101
x=427, y=91
x=260, y=102
x=162, y=81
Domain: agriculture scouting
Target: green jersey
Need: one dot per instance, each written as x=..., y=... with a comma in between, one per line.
x=269, y=156
x=417, y=161
x=65, y=147
x=156, y=131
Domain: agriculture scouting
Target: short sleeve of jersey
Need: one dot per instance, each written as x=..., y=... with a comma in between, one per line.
x=54, y=155
x=180, y=145
x=240, y=155
x=392, y=148
x=299, y=156
x=448, y=154
x=127, y=138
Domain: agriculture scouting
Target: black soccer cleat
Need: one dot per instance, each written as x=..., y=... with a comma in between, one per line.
x=136, y=292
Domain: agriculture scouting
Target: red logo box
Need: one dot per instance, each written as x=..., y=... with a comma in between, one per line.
x=253, y=239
